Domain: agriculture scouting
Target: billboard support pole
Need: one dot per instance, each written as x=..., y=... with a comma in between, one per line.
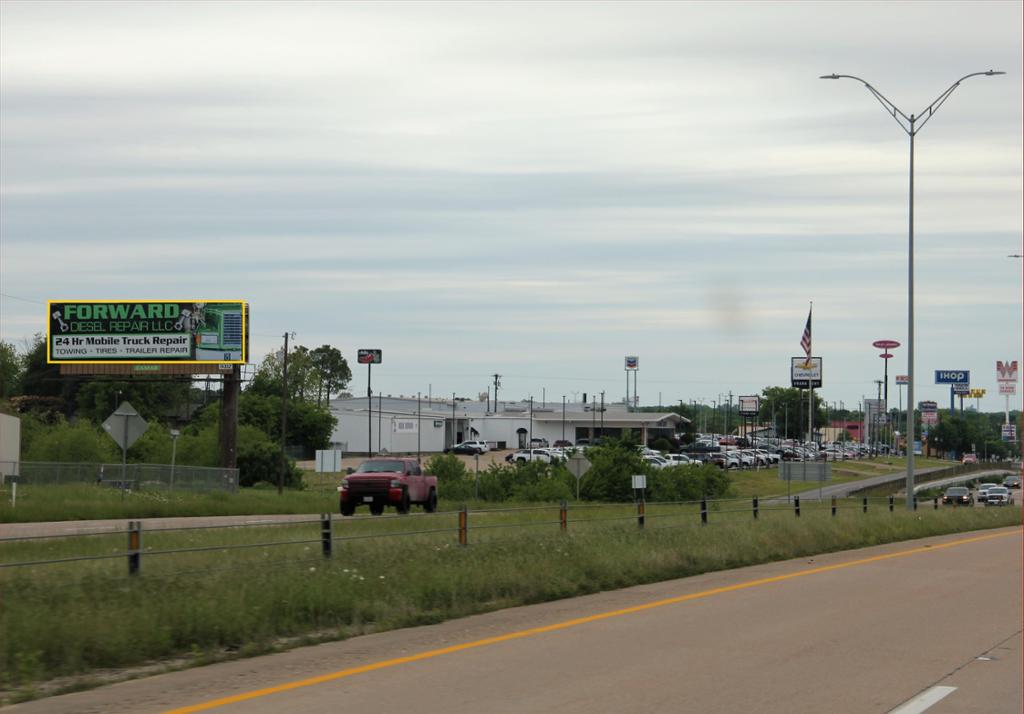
x=369, y=411
x=229, y=418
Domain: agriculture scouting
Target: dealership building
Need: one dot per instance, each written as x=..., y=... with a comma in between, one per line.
x=398, y=425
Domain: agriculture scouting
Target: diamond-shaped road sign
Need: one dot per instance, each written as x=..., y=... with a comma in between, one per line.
x=125, y=425
x=578, y=465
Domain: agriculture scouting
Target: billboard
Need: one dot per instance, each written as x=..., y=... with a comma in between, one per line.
x=632, y=362
x=750, y=406
x=147, y=332
x=952, y=376
x=369, y=356
x=803, y=376
x=1007, y=387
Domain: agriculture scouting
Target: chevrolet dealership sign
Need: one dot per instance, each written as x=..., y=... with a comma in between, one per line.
x=97, y=331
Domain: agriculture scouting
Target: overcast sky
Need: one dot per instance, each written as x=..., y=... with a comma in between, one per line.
x=532, y=189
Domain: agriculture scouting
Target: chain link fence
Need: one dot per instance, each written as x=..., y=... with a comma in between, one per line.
x=133, y=476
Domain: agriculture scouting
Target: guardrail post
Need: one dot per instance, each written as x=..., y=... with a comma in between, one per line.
x=865, y=504
x=796, y=506
x=641, y=513
x=134, y=547
x=755, y=507
x=326, y=533
x=833, y=506
x=563, y=515
x=935, y=501
x=891, y=499
x=464, y=525
x=703, y=511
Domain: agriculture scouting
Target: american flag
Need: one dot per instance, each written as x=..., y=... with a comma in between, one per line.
x=805, y=341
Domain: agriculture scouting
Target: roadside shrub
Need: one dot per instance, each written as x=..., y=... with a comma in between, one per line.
x=687, y=483
x=609, y=477
x=259, y=459
x=447, y=468
x=81, y=441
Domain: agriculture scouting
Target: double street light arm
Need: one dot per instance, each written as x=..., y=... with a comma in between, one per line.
x=907, y=123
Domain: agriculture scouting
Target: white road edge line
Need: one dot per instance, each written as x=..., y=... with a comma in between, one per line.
x=924, y=700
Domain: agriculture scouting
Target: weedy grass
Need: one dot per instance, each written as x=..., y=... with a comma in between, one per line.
x=72, y=502
x=82, y=617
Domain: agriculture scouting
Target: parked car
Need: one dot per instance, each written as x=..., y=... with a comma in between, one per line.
x=746, y=461
x=983, y=491
x=970, y=459
x=1012, y=481
x=526, y=455
x=466, y=448
x=657, y=462
x=681, y=460
x=999, y=496
x=563, y=443
x=469, y=447
x=958, y=496
x=538, y=443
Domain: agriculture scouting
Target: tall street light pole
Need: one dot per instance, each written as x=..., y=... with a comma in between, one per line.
x=910, y=126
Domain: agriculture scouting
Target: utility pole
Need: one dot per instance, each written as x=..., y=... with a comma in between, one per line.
x=602, y=413
x=497, y=383
x=284, y=417
x=563, y=417
x=454, y=422
x=531, y=424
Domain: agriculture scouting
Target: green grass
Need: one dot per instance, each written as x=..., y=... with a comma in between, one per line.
x=72, y=502
x=89, y=501
x=76, y=619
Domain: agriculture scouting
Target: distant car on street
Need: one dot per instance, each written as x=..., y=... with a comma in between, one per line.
x=1012, y=481
x=958, y=496
x=983, y=491
x=970, y=459
x=999, y=496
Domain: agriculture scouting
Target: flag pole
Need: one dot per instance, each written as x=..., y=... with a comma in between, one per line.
x=810, y=383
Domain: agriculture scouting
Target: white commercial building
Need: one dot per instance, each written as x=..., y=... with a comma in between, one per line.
x=407, y=425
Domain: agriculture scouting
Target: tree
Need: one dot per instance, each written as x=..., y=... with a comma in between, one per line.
x=313, y=375
x=12, y=366
x=331, y=370
x=40, y=379
x=788, y=408
x=163, y=399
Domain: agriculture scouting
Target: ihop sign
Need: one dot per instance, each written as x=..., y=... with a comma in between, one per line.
x=952, y=376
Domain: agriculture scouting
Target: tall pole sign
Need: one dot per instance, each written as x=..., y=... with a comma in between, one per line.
x=369, y=357
x=632, y=365
x=885, y=346
x=1006, y=375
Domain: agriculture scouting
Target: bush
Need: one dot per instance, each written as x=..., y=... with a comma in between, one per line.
x=687, y=483
x=81, y=441
x=609, y=477
x=259, y=460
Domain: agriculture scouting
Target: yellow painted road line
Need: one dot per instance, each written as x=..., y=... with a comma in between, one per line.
x=385, y=664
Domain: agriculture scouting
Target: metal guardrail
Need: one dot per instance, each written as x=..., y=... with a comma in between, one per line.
x=130, y=476
x=704, y=512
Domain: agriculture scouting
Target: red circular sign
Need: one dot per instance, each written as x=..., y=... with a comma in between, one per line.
x=886, y=355
x=885, y=344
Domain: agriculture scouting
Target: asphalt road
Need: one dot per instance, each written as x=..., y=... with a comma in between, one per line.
x=857, y=631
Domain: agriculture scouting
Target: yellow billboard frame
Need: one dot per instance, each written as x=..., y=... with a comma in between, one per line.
x=245, y=335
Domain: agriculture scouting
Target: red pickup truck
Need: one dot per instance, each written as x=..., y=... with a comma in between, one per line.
x=388, y=481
